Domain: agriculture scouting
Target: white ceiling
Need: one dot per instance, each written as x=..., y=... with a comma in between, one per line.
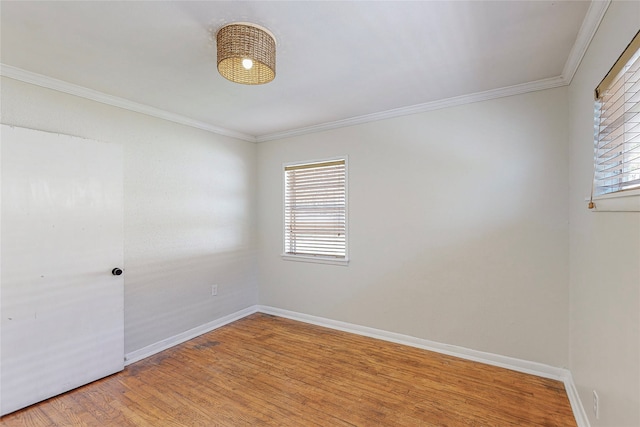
x=337, y=62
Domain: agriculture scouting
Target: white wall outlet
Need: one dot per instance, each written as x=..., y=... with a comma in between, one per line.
x=596, y=407
x=214, y=290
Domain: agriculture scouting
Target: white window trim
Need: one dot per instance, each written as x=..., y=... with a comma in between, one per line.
x=621, y=201
x=318, y=259
x=315, y=259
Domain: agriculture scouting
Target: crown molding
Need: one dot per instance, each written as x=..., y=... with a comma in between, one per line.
x=549, y=83
x=590, y=24
x=83, y=92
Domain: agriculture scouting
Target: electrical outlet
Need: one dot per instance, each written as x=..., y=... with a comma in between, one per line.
x=214, y=290
x=596, y=407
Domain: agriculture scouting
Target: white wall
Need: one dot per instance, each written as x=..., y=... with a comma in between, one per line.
x=605, y=251
x=189, y=215
x=458, y=227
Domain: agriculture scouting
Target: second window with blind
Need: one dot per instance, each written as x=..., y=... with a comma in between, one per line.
x=315, y=211
x=617, y=135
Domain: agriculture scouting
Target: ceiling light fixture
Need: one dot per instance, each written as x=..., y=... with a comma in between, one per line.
x=246, y=53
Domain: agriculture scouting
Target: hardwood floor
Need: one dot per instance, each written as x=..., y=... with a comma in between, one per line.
x=266, y=370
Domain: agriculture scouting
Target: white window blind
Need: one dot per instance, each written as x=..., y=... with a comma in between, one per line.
x=315, y=209
x=617, y=125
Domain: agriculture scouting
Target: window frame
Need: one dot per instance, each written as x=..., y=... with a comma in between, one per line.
x=622, y=200
x=319, y=259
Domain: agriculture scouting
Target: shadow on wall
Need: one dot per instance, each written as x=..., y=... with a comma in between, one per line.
x=187, y=200
x=189, y=224
x=166, y=297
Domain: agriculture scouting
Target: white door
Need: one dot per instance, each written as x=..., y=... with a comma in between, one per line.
x=61, y=307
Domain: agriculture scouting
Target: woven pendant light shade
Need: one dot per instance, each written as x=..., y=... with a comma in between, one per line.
x=241, y=41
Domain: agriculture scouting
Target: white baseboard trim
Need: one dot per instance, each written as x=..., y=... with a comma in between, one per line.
x=152, y=349
x=576, y=404
x=514, y=364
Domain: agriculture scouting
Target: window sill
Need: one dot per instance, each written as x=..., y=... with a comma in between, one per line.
x=624, y=201
x=315, y=259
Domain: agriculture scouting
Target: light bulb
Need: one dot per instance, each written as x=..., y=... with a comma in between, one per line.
x=247, y=63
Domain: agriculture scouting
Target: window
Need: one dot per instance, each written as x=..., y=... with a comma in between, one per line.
x=617, y=129
x=315, y=211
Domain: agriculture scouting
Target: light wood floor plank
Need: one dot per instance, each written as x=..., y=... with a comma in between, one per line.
x=266, y=370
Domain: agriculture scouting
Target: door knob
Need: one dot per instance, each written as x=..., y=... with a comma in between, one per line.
x=116, y=271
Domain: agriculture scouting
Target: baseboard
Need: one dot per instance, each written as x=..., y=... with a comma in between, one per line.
x=152, y=349
x=514, y=364
x=519, y=365
x=576, y=404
